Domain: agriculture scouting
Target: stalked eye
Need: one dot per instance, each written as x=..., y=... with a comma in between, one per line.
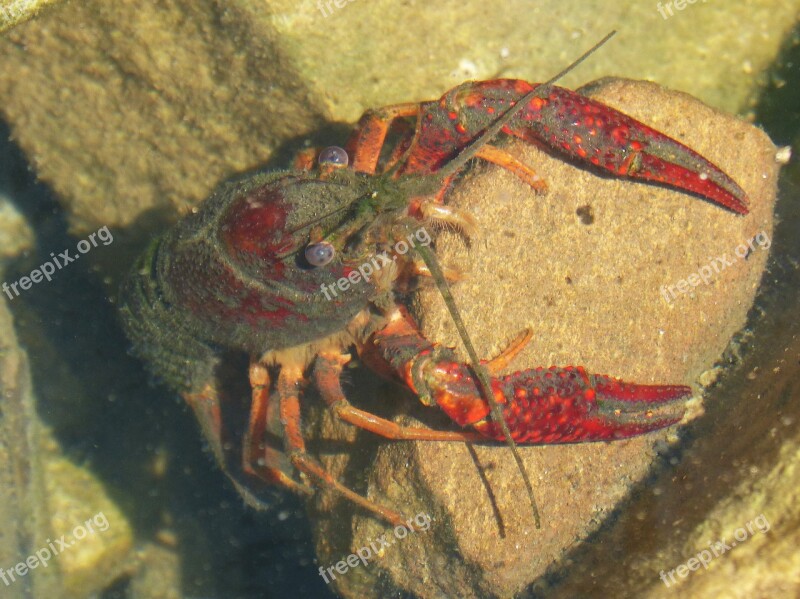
x=333, y=156
x=320, y=254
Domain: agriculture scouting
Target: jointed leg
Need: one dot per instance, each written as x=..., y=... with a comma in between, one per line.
x=366, y=142
x=452, y=274
x=500, y=157
x=206, y=408
x=501, y=361
x=305, y=159
x=328, y=367
x=406, y=132
x=258, y=459
x=453, y=217
x=436, y=209
x=288, y=383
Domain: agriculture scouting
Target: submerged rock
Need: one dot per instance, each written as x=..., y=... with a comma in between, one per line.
x=63, y=536
x=124, y=108
x=593, y=292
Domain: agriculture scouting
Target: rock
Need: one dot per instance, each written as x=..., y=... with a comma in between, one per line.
x=735, y=480
x=15, y=12
x=593, y=295
x=99, y=534
x=15, y=234
x=21, y=497
x=45, y=496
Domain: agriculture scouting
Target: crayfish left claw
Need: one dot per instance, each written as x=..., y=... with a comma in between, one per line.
x=630, y=409
x=540, y=405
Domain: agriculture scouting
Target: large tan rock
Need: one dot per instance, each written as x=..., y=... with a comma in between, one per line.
x=591, y=289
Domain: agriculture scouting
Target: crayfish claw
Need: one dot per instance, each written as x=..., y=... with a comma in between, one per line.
x=568, y=405
x=619, y=144
x=631, y=409
x=671, y=163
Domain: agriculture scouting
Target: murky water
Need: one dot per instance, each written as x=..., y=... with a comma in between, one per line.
x=109, y=489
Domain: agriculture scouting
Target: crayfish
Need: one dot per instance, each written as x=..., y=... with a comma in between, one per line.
x=248, y=272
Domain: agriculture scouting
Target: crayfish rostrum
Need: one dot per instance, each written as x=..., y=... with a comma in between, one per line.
x=248, y=272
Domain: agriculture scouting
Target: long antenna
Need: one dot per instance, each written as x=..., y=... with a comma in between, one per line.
x=483, y=376
x=438, y=276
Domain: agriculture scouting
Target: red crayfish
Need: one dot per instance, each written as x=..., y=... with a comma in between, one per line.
x=254, y=270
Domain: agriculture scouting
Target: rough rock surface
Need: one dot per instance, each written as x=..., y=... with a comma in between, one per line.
x=733, y=486
x=45, y=496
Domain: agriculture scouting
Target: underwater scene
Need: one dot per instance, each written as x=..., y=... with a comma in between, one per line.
x=338, y=298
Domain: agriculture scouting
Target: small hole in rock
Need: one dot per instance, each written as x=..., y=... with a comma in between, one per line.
x=586, y=214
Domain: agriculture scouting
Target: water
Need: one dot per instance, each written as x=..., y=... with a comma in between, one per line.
x=93, y=436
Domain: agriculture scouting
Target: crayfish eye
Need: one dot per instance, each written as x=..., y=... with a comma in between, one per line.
x=333, y=156
x=319, y=254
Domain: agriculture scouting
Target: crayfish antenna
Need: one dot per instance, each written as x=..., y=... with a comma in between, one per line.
x=432, y=263
x=480, y=370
